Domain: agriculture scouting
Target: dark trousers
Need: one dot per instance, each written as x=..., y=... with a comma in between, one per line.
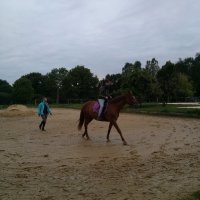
x=43, y=122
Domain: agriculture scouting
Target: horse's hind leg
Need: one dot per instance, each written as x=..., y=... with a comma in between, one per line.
x=85, y=132
x=109, y=129
x=83, y=135
x=87, y=121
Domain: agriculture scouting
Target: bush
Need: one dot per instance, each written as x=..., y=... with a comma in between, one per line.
x=5, y=98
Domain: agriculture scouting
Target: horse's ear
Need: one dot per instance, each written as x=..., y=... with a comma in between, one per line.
x=130, y=92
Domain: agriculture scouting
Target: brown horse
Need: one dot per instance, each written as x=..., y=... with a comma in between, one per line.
x=111, y=114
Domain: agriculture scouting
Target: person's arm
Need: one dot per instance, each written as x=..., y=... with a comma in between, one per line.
x=48, y=109
x=39, y=109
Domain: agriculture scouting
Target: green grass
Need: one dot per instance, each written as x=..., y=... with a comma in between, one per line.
x=3, y=106
x=169, y=109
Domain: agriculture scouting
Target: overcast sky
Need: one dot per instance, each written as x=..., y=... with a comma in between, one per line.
x=102, y=35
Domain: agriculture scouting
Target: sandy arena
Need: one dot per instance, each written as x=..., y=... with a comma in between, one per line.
x=162, y=160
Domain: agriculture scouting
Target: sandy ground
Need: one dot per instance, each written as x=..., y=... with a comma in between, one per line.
x=162, y=160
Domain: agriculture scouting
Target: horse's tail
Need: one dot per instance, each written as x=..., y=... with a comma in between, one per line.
x=81, y=120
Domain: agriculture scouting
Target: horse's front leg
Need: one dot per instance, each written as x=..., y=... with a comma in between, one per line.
x=109, y=129
x=120, y=133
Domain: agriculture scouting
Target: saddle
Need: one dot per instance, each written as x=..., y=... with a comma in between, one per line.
x=97, y=107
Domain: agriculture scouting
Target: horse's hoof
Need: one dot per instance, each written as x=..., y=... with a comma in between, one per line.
x=108, y=141
x=125, y=143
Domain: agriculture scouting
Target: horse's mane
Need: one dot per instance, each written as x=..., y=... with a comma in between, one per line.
x=117, y=99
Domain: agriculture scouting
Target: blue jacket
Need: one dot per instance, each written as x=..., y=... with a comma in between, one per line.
x=41, y=108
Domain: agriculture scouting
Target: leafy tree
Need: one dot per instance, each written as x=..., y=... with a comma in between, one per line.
x=167, y=80
x=39, y=84
x=137, y=66
x=116, y=79
x=140, y=81
x=5, y=86
x=128, y=71
x=5, y=92
x=145, y=86
x=183, y=86
x=152, y=67
x=80, y=83
x=130, y=68
x=185, y=66
x=22, y=91
x=195, y=74
x=55, y=82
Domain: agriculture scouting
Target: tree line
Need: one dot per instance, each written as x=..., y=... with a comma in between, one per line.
x=150, y=83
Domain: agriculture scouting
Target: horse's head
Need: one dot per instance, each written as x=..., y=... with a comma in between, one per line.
x=131, y=100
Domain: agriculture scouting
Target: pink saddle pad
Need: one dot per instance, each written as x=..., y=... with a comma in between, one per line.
x=96, y=107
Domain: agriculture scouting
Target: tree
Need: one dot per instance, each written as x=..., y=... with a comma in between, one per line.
x=166, y=77
x=80, y=83
x=191, y=68
x=128, y=71
x=5, y=92
x=195, y=74
x=130, y=68
x=183, y=86
x=22, y=91
x=5, y=86
x=152, y=67
x=137, y=66
x=145, y=86
x=185, y=66
x=140, y=81
x=55, y=82
x=116, y=79
x=39, y=84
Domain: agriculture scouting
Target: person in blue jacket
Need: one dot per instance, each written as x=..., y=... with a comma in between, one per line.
x=43, y=111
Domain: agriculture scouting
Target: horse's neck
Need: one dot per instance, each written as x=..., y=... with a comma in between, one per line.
x=119, y=103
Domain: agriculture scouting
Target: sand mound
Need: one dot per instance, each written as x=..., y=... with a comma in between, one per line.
x=17, y=107
x=16, y=110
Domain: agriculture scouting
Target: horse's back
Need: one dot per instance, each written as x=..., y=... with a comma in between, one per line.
x=88, y=103
x=88, y=106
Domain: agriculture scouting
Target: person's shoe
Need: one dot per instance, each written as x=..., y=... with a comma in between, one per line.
x=40, y=126
x=43, y=129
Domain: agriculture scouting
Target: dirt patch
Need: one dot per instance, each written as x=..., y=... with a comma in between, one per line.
x=161, y=162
